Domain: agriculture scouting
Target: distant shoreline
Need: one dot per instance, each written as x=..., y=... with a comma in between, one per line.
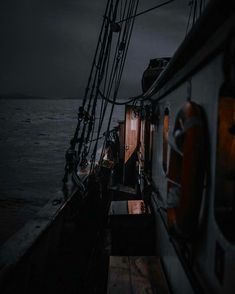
x=43, y=98
x=37, y=98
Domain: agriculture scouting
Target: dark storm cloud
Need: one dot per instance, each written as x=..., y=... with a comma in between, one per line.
x=47, y=46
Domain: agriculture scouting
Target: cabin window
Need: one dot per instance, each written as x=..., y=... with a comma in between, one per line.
x=165, y=139
x=225, y=168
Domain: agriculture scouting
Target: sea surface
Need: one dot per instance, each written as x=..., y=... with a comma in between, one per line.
x=34, y=135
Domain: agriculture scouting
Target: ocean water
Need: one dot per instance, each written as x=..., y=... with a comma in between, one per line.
x=34, y=135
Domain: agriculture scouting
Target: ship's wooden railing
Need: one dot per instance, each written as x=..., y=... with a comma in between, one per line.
x=25, y=257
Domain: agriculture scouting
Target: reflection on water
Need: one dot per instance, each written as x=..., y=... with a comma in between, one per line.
x=34, y=135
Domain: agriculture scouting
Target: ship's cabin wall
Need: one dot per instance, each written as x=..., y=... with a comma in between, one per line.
x=211, y=255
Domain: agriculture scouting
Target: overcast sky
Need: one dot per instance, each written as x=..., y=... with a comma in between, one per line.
x=47, y=45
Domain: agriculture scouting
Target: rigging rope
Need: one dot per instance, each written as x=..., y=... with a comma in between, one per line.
x=103, y=57
x=105, y=77
x=97, y=79
x=119, y=55
x=146, y=11
x=97, y=83
x=73, y=157
x=121, y=103
x=126, y=39
x=189, y=18
x=196, y=9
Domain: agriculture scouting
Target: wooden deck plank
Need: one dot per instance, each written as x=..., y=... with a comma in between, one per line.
x=119, y=275
x=136, y=275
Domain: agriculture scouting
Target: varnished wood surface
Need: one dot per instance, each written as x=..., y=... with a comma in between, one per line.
x=132, y=123
x=128, y=207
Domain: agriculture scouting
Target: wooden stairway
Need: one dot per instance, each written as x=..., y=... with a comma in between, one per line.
x=131, y=227
x=121, y=192
x=133, y=268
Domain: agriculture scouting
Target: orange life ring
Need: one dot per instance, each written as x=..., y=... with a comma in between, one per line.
x=186, y=170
